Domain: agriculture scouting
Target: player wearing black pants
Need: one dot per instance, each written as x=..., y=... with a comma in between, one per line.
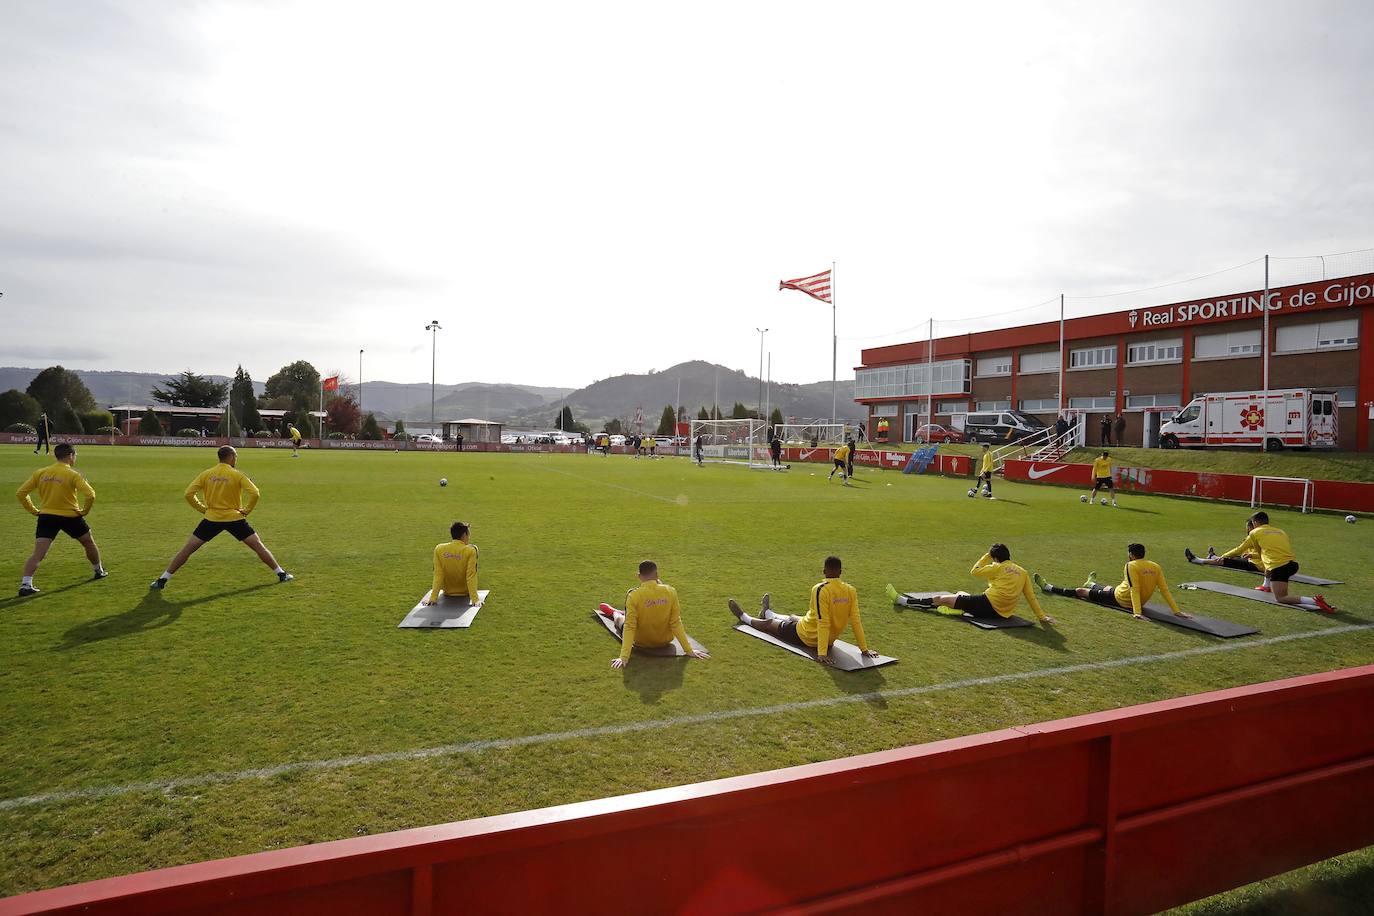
x=42, y=434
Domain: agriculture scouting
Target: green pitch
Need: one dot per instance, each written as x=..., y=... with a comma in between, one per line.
x=219, y=717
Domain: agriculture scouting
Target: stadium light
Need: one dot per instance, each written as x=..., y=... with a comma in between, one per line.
x=360, y=382
x=433, y=328
x=762, y=331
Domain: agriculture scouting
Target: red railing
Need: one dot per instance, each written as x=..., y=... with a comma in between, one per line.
x=1128, y=811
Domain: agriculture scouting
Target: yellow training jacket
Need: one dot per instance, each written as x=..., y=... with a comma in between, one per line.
x=834, y=605
x=223, y=488
x=653, y=618
x=1102, y=467
x=57, y=487
x=455, y=571
x=1143, y=577
x=1006, y=583
x=842, y=453
x=985, y=465
x=1270, y=543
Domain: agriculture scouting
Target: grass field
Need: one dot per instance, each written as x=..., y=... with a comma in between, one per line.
x=149, y=710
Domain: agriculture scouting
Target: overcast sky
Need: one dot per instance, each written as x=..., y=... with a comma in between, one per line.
x=576, y=190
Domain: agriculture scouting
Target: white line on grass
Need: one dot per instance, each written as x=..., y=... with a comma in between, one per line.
x=472, y=747
x=605, y=483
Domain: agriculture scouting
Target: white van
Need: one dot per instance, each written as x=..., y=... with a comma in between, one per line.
x=1288, y=418
x=1001, y=426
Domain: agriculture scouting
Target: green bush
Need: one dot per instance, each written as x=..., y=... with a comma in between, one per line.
x=108, y=431
x=337, y=435
x=93, y=420
x=188, y=433
x=370, y=429
x=149, y=424
x=66, y=420
x=18, y=407
x=264, y=434
x=22, y=429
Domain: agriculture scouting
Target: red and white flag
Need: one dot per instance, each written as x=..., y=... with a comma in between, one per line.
x=331, y=383
x=817, y=286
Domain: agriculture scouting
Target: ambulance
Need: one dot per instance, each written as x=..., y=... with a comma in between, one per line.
x=1287, y=418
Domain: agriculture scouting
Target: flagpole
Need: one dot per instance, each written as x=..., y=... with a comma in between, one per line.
x=1264, y=445
x=834, y=346
x=930, y=374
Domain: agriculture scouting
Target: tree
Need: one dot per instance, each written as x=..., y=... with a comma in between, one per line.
x=400, y=428
x=149, y=424
x=564, y=420
x=299, y=416
x=66, y=420
x=370, y=429
x=775, y=418
x=703, y=414
x=298, y=382
x=243, y=402
x=191, y=390
x=18, y=407
x=667, y=424
x=229, y=425
x=741, y=412
x=93, y=421
x=614, y=427
x=55, y=385
x=343, y=415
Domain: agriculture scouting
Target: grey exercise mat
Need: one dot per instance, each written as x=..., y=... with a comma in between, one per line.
x=1299, y=577
x=983, y=623
x=845, y=656
x=1209, y=625
x=672, y=650
x=1240, y=591
x=447, y=614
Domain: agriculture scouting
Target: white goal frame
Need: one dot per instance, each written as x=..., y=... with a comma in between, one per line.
x=1309, y=491
x=826, y=434
x=733, y=441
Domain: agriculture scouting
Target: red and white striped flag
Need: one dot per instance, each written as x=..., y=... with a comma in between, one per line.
x=817, y=286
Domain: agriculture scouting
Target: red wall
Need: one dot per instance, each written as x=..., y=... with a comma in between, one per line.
x=1127, y=811
x=1341, y=495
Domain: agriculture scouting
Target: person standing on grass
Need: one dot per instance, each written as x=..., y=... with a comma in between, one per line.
x=1142, y=579
x=699, y=450
x=43, y=431
x=1277, y=561
x=652, y=617
x=1120, y=429
x=775, y=449
x=218, y=494
x=295, y=440
x=841, y=463
x=1102, y=477
x=985, y=464
x=455, y=567
x=59, y=510
x=849, y=460
x=1007, y=583
x=834, y=605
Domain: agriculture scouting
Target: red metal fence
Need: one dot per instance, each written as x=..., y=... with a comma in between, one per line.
x=1128, y=811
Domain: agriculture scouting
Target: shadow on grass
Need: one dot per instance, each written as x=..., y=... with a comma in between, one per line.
x=1134, y=509
x=1049, y=637
x=652, y=677
x=14, y=601
x=1010, y=502
x=862, y=681
x=1317, y=896
x=153, y=612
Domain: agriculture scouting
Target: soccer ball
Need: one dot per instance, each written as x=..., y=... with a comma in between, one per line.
x=1350, y=519
x=443, y=481
x=987, y=491
x=972, y=493
x=1082, y=499
x=1102, y=501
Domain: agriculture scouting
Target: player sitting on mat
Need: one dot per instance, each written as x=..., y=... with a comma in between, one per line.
x=1006, y=583
x=841, y=460
x=1276, y=560
x=1143, y=578
x=834, y=605
x=455, y=567
x=1102, y=478
x=652, y=617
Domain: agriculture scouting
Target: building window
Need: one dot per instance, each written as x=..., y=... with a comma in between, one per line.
x=950, y=408
x=1156, y=351
x=1230, y=344
x=1326, y=335
x=951, y=376
x=1093, y=403
x=994, y=365
x=991, y=406
x=1137, y=401
x=1345, y=397
x=1092, y=358
x=884, y=410
x=1040, y=405
x=1034, y=363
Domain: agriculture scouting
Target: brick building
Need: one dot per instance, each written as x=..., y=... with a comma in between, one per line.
x=1125, y=362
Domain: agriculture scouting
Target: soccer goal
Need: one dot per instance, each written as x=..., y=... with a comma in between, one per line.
x=1283, y=491
x=812, y=435
x=732, y=441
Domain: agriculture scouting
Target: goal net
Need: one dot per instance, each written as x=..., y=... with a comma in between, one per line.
x=1296, y=492
x=734, y=441
x=812, y=434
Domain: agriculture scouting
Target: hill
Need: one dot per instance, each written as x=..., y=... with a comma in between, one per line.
x=109, y=387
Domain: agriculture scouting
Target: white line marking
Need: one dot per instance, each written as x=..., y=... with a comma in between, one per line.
x=473, y=747
x=604, y=483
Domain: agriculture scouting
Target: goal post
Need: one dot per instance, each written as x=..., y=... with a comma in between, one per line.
x=743, y=441
x=1286, y=488
x=812, y=434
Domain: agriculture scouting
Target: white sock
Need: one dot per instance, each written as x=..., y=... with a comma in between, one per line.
x=1309, y=603
x=97, y=567
x=745, y=618
x=768, y=614
x=278, y=570
x=166, y=574
x=27, y=580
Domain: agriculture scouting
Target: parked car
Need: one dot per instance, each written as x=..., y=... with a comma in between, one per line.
x=936, y=434
x=617, y=439
x=1001, y=426
x=426, y=437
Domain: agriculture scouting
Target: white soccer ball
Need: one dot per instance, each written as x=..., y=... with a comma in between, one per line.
x=443, y=481
x=972, y=493
x=1102, y=501
x=1082, y=499
x=987, y=491
x=1350, y=519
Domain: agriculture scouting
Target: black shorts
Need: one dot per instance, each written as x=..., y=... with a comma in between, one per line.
x=975, y=606
x=1101, y=483
x=1285, y=572
x=239, y=528
x=787, y=632
x=1104, y=595
x=1240, y=563
x=50, y=525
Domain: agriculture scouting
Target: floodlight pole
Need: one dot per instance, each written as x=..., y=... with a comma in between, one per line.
x=434, y=329
x=360, y=382
x=834, y=346
x=1264, y=304
x=762, y=331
